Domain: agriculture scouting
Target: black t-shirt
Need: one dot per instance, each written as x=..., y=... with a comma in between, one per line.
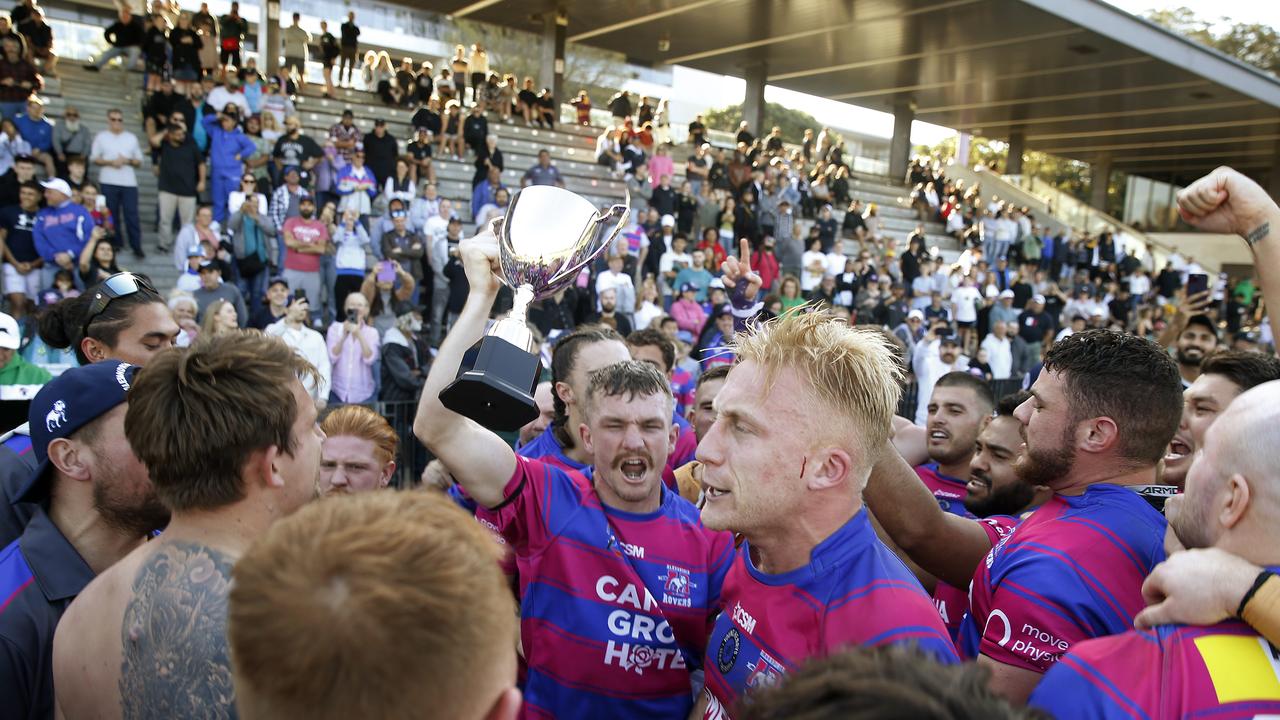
x=178, y=167
x=419, y=150
x=162, y=106
x=185, y=54
x=155, y=46
x=698, y=131
x=18, y=224
x=475, y=127
x=349, y=34
x=426, y=117
x=407, y=80
x=295, y=151
x=380, y=155
x=1032, y=327
x=745, y=136
x=425, y=84
x=329, y=47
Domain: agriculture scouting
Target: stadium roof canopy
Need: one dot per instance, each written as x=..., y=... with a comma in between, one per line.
x=1076, y=78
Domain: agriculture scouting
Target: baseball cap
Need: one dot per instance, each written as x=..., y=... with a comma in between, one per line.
x=668, y=221
x=688, y=287
x=1097, y=312
x=949, y=340
x=57, y=184
x=278, y=280
x=1006, y=294
x=208, y=265
x=992, y=292
x=1247, y=336
x=291, y=169
x=1204, y=321
x=915, y=315
x=67, y=403
x=10, y=337
x=1037, y=299
x=195, y=251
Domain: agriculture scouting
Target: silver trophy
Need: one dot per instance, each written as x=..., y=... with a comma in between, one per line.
x=547, y=237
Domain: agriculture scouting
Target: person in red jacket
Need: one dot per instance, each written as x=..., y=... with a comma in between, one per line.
x=765, y=263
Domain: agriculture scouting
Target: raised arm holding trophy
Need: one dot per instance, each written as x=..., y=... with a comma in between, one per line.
x=545, y=239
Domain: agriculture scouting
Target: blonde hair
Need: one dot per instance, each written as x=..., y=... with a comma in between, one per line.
x=209, y=327
x=378, y=606
x=849, y=370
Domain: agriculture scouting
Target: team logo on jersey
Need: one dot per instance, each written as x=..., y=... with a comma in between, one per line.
x=765, y=672
x=730, y=646
x=677, y=586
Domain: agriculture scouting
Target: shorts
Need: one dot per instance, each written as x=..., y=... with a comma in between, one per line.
x=295, y=62
x=186, y=74
x=965, y=325
x=15, y=283
x=232, y=56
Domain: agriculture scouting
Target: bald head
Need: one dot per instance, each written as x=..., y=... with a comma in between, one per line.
x=1233, y=488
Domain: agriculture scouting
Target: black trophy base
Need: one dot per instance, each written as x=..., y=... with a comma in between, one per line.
x=497, y=391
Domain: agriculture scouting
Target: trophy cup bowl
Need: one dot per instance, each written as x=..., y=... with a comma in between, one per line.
x=546, y=238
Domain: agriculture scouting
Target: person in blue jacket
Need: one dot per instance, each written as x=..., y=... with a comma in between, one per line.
x=229, y=147
x=61, y=230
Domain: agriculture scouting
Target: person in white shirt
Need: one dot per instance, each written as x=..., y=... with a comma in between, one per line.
x=425, y=207
x=437, y=225
x=1140, y=285
x=964, y=307
x=999, y=351
x=672, y=262
x=932, y=358
x=814, y=264
x=116, y=152
x=228, y=93
x=836, y=259
x=614, y=278
x=307, y=343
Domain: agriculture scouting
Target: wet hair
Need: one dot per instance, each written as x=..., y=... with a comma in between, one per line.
x=1245, y=368
x=564, y=357
x=60, y=325
x=1124, y=377
x=629, y=379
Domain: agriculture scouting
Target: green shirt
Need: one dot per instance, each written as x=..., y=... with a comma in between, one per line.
x=20, y=380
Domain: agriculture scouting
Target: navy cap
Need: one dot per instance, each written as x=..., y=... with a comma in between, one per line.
x=67, y=403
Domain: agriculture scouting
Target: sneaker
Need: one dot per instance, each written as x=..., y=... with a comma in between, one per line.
x=139, y=255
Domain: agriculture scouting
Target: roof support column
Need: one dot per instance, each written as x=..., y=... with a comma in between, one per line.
x=269, y=37
x=1017, y=146
x=753, y=101
x=555, y=24
x=1099, y=178
x=900, y=145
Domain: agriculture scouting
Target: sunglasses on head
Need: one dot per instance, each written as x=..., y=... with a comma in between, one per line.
x=116, y=286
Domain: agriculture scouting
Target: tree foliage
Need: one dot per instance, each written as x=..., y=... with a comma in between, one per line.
x=792, y=122
x=1253, y=43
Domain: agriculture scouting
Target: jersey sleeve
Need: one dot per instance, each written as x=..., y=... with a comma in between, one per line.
x=1040, y=608
x=538, y=499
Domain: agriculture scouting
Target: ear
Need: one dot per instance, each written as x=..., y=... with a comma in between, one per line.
x=1097, y=435
x=71, y=459
x=828, y=468
x=507, y=706
x=584, y=433
x=672, y=437
x=388, y=472
x=564, y=392
x=265, y=467
x=1235, y=501
x=93, y=349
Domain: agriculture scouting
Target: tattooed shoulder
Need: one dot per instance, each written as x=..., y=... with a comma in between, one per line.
x=173, y=636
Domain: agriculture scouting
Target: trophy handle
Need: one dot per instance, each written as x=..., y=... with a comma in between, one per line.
x=625, y=208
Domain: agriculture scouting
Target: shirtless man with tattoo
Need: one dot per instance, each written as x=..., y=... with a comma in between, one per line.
x=229, y=435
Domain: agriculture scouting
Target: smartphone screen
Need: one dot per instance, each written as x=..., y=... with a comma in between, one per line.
x=1197, y=283
x=386, y=271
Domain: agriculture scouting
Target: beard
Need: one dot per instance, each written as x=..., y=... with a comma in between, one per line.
x=1011, y=499
x=1189, y=356
x=133, y=516
x=1045, y=466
